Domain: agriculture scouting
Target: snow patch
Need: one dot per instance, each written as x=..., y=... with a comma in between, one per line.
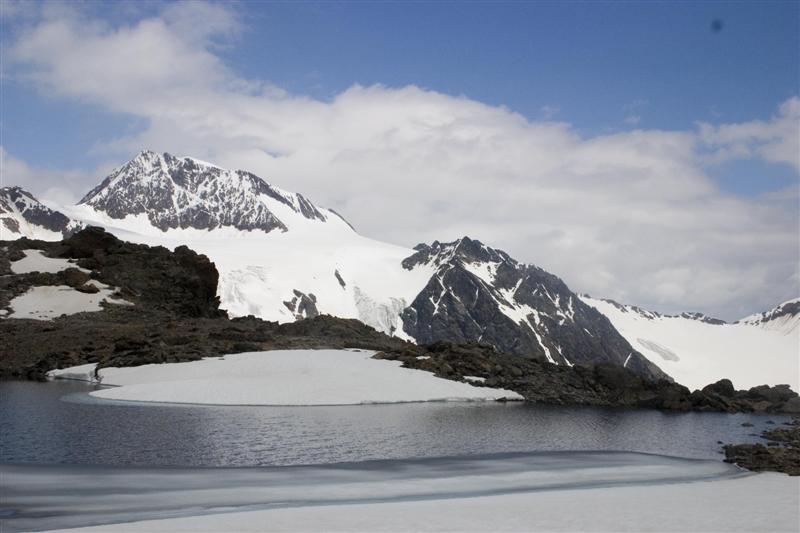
x=51, y=301
x=285, y=377
x=36, y=261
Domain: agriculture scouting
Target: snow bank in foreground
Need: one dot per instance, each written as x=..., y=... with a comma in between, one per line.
x=51, y=301
x=285, y=377
x=762, y=502
x=36, y=261
x=64, y=496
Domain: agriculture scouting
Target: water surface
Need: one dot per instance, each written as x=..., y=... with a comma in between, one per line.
x=57, y=423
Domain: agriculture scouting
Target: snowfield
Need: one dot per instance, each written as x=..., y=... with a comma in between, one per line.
x=51, y=301
x=349, y=276
x=696, y=353
x=281, y=377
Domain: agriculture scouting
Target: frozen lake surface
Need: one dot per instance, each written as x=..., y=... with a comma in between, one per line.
x=71, y=460
x=48, y=497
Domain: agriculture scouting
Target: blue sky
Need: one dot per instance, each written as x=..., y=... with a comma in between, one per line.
x=645, y=151
x=592, y=64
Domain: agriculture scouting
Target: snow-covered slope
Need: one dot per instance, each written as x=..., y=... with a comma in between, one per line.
x=309, y=269
x=696, y=350
x=784, y=318
x=280, y=257
x=22, y=215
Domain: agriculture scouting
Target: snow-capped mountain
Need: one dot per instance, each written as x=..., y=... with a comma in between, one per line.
x=477, y=293
x=282, y=258
x=186, y=193
x=697, y=350
x=22, y=215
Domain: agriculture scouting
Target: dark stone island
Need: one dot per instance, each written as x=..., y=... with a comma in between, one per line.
x=781, y=454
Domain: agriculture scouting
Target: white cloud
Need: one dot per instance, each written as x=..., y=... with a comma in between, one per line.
x=776, y=140
x=58, y=186
x=630, y=215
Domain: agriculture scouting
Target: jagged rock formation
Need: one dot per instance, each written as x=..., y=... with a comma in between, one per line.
x=22, y=215
x=479, y=294
x=187, y=193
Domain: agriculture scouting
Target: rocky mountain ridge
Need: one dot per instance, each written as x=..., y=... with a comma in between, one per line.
x=479, y=294
x=23, y=215
x=186, y=193
x=784, y=317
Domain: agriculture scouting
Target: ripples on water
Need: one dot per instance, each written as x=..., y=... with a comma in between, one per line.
x=55, y=423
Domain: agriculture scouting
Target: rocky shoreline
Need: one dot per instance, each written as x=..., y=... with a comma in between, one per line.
x=600, y=385
x=176, y=317
x=781, y=454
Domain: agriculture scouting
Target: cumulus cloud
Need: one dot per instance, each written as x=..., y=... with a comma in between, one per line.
x=630, y=215
x=776, y=140
x=56, y=186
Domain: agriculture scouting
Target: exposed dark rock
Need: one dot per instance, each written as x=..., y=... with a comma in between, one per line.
x=782, y=453
x=472, y=290
x=542, y=382
x=17, y=202
x=302, y=305
x=339, y=279
x=87, y=288
x=723, y=388
x=185, y=193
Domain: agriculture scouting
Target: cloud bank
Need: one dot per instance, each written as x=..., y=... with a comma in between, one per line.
x=630, y=215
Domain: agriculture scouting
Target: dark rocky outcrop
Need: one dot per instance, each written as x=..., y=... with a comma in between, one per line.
x=302, y=305
x=182, y=281
x=782, y=453
x=602, y=384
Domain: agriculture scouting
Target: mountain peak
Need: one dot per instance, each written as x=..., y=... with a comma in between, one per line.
x=184, y=192
x=22, y=215
x=465, y=250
